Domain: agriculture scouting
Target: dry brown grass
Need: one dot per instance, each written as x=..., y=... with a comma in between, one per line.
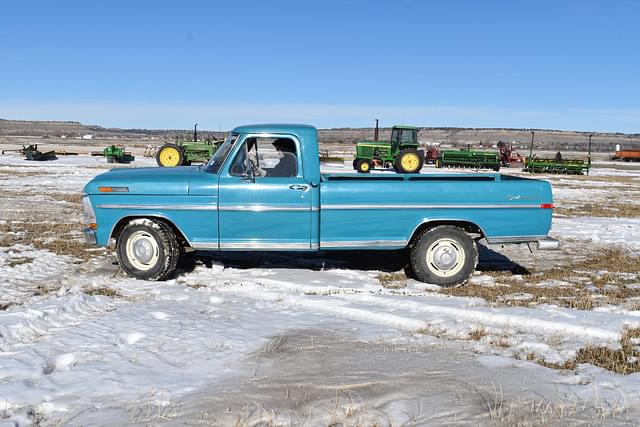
x=104, y=291
x=59, y=237
x=5, y=305
x=624, y=360
x=397, y=280
x=477, y=334
x=608, y=287
x=608, y=210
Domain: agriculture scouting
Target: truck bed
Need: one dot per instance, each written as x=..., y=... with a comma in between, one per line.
x=381, y=210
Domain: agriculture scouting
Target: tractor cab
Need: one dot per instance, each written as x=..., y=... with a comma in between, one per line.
x=404, y=136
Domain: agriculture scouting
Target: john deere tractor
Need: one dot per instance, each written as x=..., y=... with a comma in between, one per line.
x=402, y=153
x=183, y=153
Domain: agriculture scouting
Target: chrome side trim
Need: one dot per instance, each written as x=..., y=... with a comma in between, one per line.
x=264, y=208
x=161, y=207
x=264, y=246
x=363, y=244
x=514, y=239
x=205, y=245
x=383, y=206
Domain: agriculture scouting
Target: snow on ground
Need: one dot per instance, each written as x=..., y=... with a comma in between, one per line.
x=622, y=232
x=287, y=339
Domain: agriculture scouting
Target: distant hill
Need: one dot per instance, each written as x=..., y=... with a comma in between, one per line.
x=544, y=139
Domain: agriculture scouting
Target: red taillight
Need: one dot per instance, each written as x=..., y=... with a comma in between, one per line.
x=546, y=206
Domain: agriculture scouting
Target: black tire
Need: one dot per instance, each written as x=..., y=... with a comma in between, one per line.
x=355, y=161
x=455, y=250
x=364, y=165
x=160, y=243
x=405, y=154
x=111, y=159
x=169, y=155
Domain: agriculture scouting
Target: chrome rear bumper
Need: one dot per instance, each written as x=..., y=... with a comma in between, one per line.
x=548, y=244
x=543, y=243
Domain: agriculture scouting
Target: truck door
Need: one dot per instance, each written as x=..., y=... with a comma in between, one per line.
x=264, y=201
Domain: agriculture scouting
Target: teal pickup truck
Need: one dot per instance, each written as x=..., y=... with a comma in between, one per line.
x=263, y=191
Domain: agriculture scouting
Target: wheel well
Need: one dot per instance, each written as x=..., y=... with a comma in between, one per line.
x=467, y=226
x=115, y=233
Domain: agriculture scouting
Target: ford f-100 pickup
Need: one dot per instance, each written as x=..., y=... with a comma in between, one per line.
x=263, y=191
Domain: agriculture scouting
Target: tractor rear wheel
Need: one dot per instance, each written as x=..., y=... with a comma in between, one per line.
x=363, y=165
x=169, y=156
x=409, y=160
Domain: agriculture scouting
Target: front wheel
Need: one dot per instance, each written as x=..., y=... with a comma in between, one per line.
x=364, y=165
x=444, y=255
x=147, y=249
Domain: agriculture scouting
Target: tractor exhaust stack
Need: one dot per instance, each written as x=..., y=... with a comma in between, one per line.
x=375, y=134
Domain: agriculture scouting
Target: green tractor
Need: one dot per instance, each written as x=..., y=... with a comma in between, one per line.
x=183, y=153
x=402, y=152
x=115, y=154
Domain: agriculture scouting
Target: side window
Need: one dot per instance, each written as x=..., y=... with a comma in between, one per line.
x=269, y=157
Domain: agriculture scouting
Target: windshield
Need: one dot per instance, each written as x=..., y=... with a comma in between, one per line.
x=215, y=163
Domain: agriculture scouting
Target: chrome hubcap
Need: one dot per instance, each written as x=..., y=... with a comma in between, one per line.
x=445, y=257
x=142, y=250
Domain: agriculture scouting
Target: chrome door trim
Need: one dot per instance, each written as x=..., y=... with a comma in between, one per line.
x=362, y=243
x=268, y=246
x=263, y=208
x=389, y=206
x=160, y=207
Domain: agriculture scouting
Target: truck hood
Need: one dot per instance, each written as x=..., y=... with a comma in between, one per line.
x=148, y=181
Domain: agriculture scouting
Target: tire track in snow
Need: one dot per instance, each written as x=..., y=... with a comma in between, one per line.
x=528, y=320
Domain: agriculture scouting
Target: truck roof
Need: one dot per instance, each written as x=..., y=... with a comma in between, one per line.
x=291, y=128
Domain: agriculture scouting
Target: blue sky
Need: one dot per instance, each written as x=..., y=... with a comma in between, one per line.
x=571, y=65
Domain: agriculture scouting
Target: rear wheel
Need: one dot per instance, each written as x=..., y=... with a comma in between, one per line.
x=444, y=255
x=148, y=249
x=409, y=160
x=169, y=156
x=363, y=165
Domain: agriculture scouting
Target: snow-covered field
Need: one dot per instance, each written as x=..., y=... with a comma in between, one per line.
x=289, y=339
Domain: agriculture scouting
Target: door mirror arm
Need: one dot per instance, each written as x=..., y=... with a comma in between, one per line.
x=250, y=175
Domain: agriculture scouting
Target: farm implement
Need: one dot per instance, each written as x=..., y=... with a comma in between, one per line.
x=627, y=155
x=31, y=152
x=115, y=154
x=557, y=165
x=402, y=152
x=183, y=153
x=467, y=158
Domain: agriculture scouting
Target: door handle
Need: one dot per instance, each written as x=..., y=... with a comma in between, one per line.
x=299, y=187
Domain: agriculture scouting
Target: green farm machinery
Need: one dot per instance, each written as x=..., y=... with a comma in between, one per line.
x=401, y=152
x=115, y=154
x=31, y=152
x=183, y=153
x=557, y=165
x=468, y=158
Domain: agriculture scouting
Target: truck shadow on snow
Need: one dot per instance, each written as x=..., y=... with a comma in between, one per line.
x=385, y=261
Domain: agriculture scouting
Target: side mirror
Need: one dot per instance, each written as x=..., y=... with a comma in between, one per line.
x=250, y=175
